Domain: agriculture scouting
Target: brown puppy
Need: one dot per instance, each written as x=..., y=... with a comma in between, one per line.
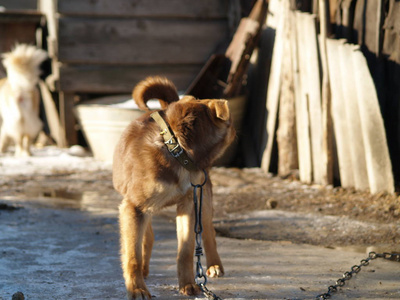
x=149, y=178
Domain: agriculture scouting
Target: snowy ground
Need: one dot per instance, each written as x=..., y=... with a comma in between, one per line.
x=51, y=160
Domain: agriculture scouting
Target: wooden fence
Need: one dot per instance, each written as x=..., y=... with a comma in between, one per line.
x=336, y=121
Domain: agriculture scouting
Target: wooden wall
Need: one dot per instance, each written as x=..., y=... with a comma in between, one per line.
x=108, y=46
x=17, y=25
x=19, y=4
x=339, y=127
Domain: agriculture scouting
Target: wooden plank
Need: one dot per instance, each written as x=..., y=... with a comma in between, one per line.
x=239, y=51
x=157, y=8
x=67, y=117
x=27, y=17
x=19, y=4
x=352, y=118
x=274, y=83
x=286, y=133
x=210, y=82
x=302, y=98
x=119, y=79
x=377, y=154
x=17, y=28
x=327, y=126
x=312, y=88
x=138, y=41
x=340, y=127
x=235, y=60
x=57, y=131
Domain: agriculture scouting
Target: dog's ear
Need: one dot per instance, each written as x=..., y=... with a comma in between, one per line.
x=220, y=109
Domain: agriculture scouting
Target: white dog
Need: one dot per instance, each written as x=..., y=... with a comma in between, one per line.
x=19, y=98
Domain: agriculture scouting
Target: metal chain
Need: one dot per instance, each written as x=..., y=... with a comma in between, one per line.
x=355, y=269
x=201, y=279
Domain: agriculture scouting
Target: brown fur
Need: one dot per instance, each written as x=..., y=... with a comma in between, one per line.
x=150, y=178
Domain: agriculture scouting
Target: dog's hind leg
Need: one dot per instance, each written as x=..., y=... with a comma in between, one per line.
x=186, y=240
x=18, y=146
x=214, y=265
x=26, y=145
x=4, y=142
x=148, y=241
x=133, y=223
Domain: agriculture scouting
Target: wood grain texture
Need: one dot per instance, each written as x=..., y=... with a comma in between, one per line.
x=120, y=79
x=379, y=166
x=140, y=8
x=299, y=44
x=138, y=41
x=311, y=86
x=340, y=126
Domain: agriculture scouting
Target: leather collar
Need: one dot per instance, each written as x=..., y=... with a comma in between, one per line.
x=172, y=143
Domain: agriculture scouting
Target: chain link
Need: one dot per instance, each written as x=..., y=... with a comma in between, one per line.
x=356, y=269
x=201, y=279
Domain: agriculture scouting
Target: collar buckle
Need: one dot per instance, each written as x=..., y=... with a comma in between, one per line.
x=172, y=143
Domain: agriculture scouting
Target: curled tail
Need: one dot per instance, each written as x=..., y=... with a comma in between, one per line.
x=23, y=64
x=155, y=88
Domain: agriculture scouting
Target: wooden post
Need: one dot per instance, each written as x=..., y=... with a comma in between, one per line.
x=378, y=162
x=286, y=133
x=57, y=131
x=340, y=126
x=311, y=86
x=302, y=98
x=274, y=83
x=352, y=118
x=67, y=117
x=327, y=132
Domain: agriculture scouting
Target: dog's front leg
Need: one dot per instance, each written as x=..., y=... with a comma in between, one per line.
x=214, y=265
x=133, y=224
x=186, y=239
x=148, y=242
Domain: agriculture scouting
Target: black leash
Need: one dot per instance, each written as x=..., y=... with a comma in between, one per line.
x=201, y=279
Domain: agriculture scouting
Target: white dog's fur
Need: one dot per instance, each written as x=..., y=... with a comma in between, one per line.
x=19, y=98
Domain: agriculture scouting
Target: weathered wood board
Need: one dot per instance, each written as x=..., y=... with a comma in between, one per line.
x=19, y=4
x=56, y=130
x=311, y=86
x=341, y=131
x=159, y=8
x=119, y=79
x=274, y=83
x=239, y=52
x=286, y=134
x=352, y=118
x=327, y=127
x=137, y=41
x=379, y=166
x=17, y=27
x=299, y=47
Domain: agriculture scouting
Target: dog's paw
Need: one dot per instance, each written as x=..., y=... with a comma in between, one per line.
x=141, y=294
x=190, y=289
x=215, y=271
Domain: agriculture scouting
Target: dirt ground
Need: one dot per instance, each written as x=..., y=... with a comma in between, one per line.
x=327, y=216
x=248, y=203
